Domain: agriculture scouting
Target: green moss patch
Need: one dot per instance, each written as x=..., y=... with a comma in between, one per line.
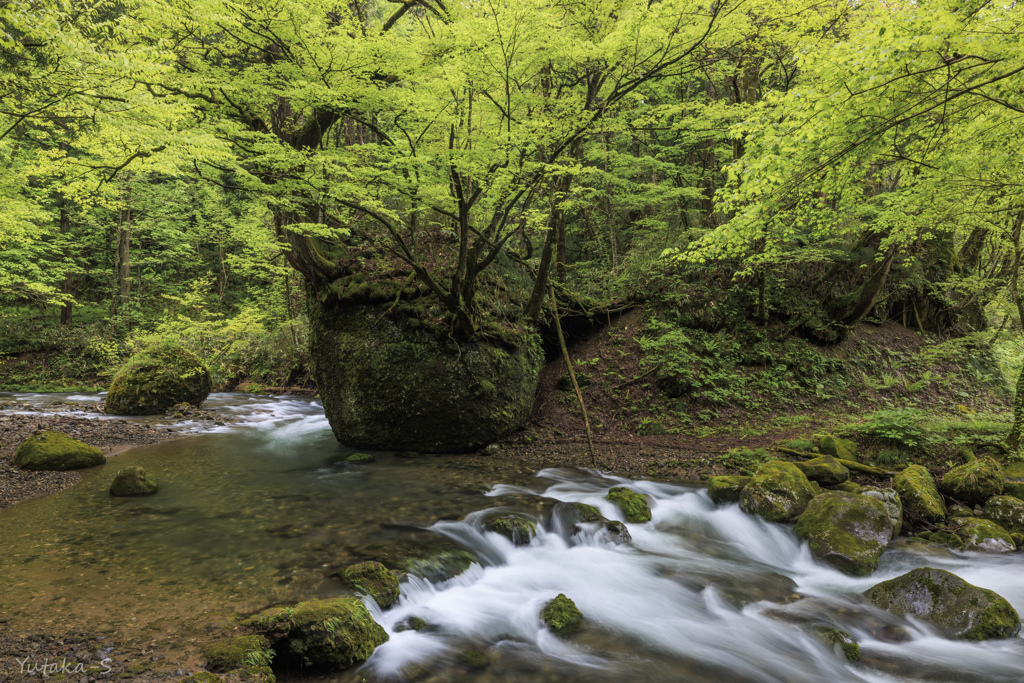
x=779, y=492
x=132, y=481
x=50, y=450
x=561, y=616
x=515, y=527
x=974, y=482
x=919, y=494
x=726, y=489
x=847, y=530
x=375, y=580
x=634, y=506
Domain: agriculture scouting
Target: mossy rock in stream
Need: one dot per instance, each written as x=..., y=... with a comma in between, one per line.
x=132, y=481
x=974, y=482
x=332, y=633
x=561, y=616
x=841, y=641
x=961, y=610
x=156, y=379
x=56, y=451
x=515, y=527
x=251, y=655
x=919, y=494
x=982, y=535
x=726, y=488
x=634, y=505
x=779, y=492
x=580, y=516
x=387, y=385
x=429, y=556
x=375, y=580
x=891, y=500
x=847, y=530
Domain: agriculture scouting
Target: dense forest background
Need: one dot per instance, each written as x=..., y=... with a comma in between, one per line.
x=759, y=178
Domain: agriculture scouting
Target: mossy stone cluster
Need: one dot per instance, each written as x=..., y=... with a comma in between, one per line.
x=779, y=492
x=974, y=482
x=249, y=655
x=375, y=580
x=515, y=527
x=156, y=379
x=132, y=481
x=919, y=494
x=332, y=633
x=561, y=616
x=726, y=488
x=634, y=506
x=825, y=470
x=56, y=451
x=982, y=535
x=960, y=609
x=388, y=385
x=847, y=530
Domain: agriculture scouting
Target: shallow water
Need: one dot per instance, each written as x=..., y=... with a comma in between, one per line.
x=266, y=510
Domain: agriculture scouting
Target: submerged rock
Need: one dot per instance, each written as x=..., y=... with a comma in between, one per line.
x=841, y=641
x=333, y=633
x=825, y=470
x=726, y=489
x=156, y=379
x=132, y=481
x=982, y=534
x=515, y=527
x=580, y=515
x=56, y=451
x=375, y=580
x=919, y=494
x=960, y=609
x=561, y=616
x=846, y=530
x=633, y=505
x=779, y=492
x=250, y=654
x=891, y=500
x=473, y=659
x=974, y=482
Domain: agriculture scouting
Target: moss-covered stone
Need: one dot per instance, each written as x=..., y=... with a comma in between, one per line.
x=841, y=641
x=333, y=633
x=844, y=449
x=1014, y=488
x=634, y=505
x=375, y=580
x=156, y=379
x=919, y=494
x=132, y=481
x=961, y=610
x=982, y=535
x=390, y=386
x=779, y=492
x=726, y=489
x=891, y=500
x=244, y=652
x=1007, y=512
x=360, y=457
x=946, y=538
x=825, y=470
x=50, y=450
x=847, y=530
x=974, y=482
x=473, y=659
x=515, y=527
x=958, y=510
x=561, y=616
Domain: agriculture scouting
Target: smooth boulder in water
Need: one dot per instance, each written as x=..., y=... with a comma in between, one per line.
x=515, y=527
x=132, y=481
x=250, y=654
x=561, y=616
x=779, y=492
x=961, y=610
x=56, y=451
x=825, y=470
x=847, y=530
x=634, y=506
x=580, y=515
x=919, y=494
x=974, y=482
x=375, y=580
x=332, y=633
x=156, y=379
x=726, y=488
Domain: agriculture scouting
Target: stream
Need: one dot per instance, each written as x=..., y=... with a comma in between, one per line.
x=265, y=509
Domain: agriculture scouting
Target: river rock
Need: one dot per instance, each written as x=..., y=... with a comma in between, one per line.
x=891, y=500
x=726, y=489
x=779, y=492
x=577, y=516
x=250, y=654
x=132, y=481
x=836, y=447
x=847, y=530
x=561, y=616
x=389, y=385
x=961, y=610
x=974, y=482
x=53, y=451
x=634, y=506
x=332, y=633
x=841, y=641
x=515, y=527
x=825, y=470
x=1007, y=512
x=375, y=580
x=156, y=379
x=919, y=494
x=982, y=535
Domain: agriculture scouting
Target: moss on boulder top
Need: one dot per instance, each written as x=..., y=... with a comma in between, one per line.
x=825, y=470
x=974, y=482
x=132, y=481
x=156, y=379
x=847, y=530
x=50, y=450
x=515, y=527
x=1007, y=512
x=919, y=494
x=958, y=608
x=561, y=616
x=634, y=505
x=844, y=449
x=779, y=492
x=982, y=534
x=726, y=489
x=252, y=654
x=333, y=633
x=375, y=580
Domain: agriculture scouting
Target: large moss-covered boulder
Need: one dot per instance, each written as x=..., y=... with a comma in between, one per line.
x=847, y=530
x=974, y=482
x=375, y=580
x=250, y=654
x=982, y=535
x=919, y=494
x=726, y=489
x=891, y=500
x=958, y=608
x=389, y=384
x=50, y=450
x=561, y=616
x=825, y=470
x=1007, y=512
x=132, y=481
x=634, y=505
x=333, y=633
x=156, y=379
x=779, y=492
x=517, y=528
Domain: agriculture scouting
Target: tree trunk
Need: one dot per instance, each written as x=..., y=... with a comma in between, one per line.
x=65, y=228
